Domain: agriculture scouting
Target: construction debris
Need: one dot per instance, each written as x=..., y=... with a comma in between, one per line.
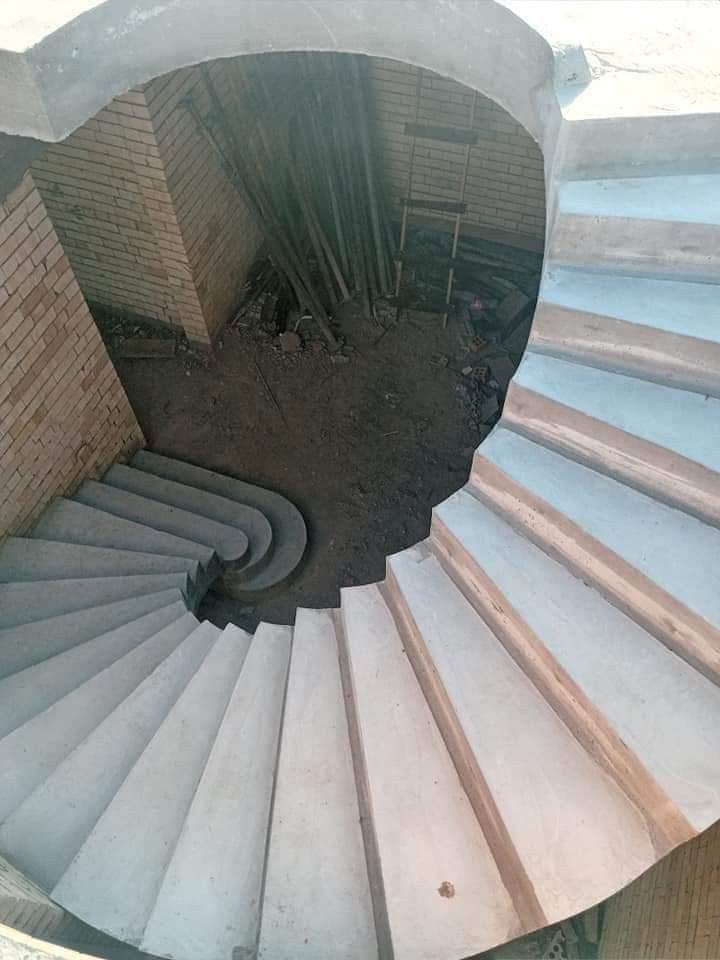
x=294, y=140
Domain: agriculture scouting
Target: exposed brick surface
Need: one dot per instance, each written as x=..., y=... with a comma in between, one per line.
x=505, y=188
x=672, y=911
x=63, y=413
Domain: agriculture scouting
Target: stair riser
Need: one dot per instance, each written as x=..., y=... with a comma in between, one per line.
x=667, y=825
x=627, y=348
x=647, y=248
x=362, y=783
x=670, y=621
x=654, y=470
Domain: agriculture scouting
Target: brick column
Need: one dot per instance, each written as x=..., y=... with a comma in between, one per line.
x=64, y=415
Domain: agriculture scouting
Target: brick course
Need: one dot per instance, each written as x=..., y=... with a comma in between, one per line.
x=505, y=186
x=63, y=413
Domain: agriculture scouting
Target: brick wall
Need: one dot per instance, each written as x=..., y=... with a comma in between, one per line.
x=149, y=222
x=505, y=188
x=63, y=412
x=220, y=239
x=153, y=227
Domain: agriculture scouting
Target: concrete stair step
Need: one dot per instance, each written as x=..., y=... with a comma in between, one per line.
x=632, y=430
x=29, y=692
x=625, y=694
x=114, y=878
x=209, y=901
x=25, y=559
x=43, y=834
x=69, y=521
x=316, y=889
x=492, y=717
x=228, y=512
x=30, y=643
x=652, y=226
x=655, y=563
x=660, y=330
x=34, y=749
x=288, y=527
x=229, y=543
x=441, y=888
x=27, y=602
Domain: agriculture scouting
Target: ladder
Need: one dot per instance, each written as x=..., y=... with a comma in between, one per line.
x=452, y=209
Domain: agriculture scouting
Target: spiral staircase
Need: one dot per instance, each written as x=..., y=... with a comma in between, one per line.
x=518, y=721
x=525, y=714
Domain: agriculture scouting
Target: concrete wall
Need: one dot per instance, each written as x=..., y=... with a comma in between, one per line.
x=505, y=190
x=63, y=413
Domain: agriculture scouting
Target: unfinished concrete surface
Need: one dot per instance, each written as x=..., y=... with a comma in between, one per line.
x=580, y=559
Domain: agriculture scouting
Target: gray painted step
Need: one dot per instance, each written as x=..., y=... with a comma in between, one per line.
x=72, y=522
x=31, y=691
x=23, y=559
x=30, y=643
x=33, y=750
x=288, y=527
x=228, y=543
x=44, y=833
x=209, y=902
x=317, y=898
x=28, y=602
x=248, y=519
x=427, y=833
x=673, y=306
x=676, y=551
x=623, y=670
x=503, y=715
x=114, y=879
x=653, y=412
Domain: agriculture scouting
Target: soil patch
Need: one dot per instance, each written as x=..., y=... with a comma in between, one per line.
x=364, y=447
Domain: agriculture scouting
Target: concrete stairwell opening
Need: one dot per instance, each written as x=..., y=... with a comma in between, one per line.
x=224, y=368
x=518, y=717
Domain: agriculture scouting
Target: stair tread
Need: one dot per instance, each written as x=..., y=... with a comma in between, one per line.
x=25, y=559
x=432, y=850
x=229, y=543
x=73, y=522
x=30, y=643
x=665, y=711
x=686, y=308
x=209, y=902
x=34, y=749
x=45, y=831
x=671, y=548
x=687, y=198
x=317, y=897
x=27, y=602
x=288, y=527
x=24, y=694
x=657, y=413
x=113, y=880
x=516, y=737
x=249, y=520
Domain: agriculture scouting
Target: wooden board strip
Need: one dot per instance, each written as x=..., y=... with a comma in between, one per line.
x=661, y=473
x=670, y=621
x=506, y=857
x=668, y=827
x=631, y=348
x=370, y=840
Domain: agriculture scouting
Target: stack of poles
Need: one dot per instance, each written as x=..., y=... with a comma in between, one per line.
x=293, y=132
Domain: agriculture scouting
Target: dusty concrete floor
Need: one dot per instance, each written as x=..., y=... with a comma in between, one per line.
x=363, y=448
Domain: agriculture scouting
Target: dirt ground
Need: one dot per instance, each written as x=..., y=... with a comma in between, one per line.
x=364, y=448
